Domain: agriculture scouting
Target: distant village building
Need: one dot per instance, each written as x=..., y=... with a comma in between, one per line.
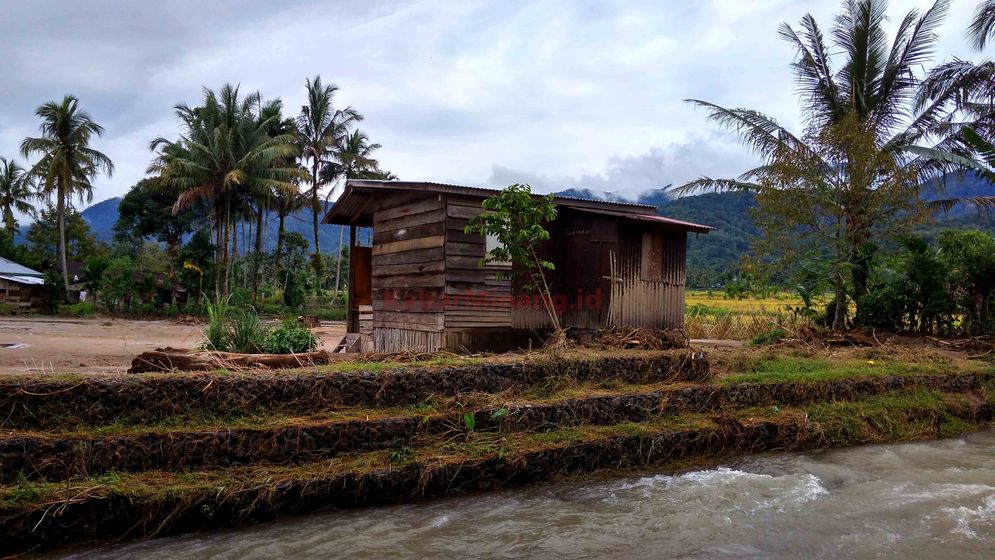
x=20, y=287
x=419, y=284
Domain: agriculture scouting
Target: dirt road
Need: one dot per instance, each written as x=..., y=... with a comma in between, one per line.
x=100, y=345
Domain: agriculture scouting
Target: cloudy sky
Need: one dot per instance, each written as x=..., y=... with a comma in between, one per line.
x=559, y=93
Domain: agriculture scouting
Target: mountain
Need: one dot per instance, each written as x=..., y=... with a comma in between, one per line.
x=102, y=216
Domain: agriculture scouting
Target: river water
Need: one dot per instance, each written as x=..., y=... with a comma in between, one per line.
x=917, y=500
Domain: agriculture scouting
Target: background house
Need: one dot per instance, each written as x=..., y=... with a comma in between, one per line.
x=20, y=287
x=419, y=284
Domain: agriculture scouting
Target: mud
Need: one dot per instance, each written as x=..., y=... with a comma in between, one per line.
x=102, y=345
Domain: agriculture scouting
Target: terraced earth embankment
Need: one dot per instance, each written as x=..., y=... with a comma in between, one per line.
x=98, y=459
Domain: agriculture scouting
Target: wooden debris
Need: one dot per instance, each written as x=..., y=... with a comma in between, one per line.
x=175, y=359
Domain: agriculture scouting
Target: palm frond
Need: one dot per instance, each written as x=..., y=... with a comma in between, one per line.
x=983, y=24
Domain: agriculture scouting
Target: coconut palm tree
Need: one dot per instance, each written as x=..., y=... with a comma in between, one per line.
x=16, y=192
x=873, y=92
x=322, y=129
x=224, y=155
x=353, y=159
x=286, y=203
x=67, y=164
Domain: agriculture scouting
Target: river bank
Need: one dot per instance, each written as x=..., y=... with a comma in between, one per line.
x=920, y=500
x=94, y=460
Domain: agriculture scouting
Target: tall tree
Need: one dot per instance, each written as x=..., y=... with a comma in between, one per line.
x=278, y=127
x=68, y=164
x=224, y=155
x=147, y=211
x=285, y=203
x=863, y=127
x=16, y=193
x=322, y=129
x=354, y=160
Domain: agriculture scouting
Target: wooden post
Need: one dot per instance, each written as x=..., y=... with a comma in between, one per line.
x=352, y=313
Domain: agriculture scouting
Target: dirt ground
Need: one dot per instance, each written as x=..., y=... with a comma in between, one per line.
x=101, y=345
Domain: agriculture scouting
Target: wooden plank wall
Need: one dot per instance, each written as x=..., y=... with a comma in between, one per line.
x=475, y=298
x=408, y=272
x=649, y=298
x=22, y=297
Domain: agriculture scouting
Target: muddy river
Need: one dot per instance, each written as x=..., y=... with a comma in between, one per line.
x=919, y=500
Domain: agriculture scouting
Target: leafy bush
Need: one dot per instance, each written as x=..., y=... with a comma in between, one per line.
x=82, y=309
x=119, y=283
x=245, y=332
x=235, y=327
x=290, y=337
x=6, y=309
x=769, y=337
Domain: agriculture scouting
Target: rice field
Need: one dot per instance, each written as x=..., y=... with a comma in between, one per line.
x=712, y=315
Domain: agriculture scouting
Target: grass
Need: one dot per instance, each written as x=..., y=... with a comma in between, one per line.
x=910, y=415
x=778, y=369
x=897, y=417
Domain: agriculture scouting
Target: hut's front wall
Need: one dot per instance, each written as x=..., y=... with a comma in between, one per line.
x=408, y=272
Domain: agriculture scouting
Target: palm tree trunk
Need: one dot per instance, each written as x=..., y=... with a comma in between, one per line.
x=61, y=217
x=279, y=242
x=314, y=218
x=258, y=255
x=9, y=223
x=227, y=248
x=338, y=261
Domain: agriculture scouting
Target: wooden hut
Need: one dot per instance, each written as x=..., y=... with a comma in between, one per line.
x=417, y=284
x=22, y=288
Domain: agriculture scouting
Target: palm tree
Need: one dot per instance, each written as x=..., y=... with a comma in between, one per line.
x=872, y=93
x=224, y=155
x=354, y=159
x=68, y=164
x=322, y=129
x=15, y=194
x=286, y=203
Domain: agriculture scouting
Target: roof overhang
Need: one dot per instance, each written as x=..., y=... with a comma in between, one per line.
x=354, y=206
x=26, y=280
x=652, y=219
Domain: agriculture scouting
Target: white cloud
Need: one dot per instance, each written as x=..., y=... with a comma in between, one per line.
x=567, y=92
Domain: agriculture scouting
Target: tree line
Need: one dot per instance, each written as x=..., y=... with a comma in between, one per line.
x=237, y=163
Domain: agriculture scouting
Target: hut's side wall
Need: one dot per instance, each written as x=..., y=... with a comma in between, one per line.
x=409, y=232
x=648, y=287
x=580, y=247
x=477, y=303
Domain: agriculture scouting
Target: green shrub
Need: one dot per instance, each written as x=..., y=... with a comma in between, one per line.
x=6, y=309
x=82, y=309
x=246, y=333
x=235, y=327
x=769, y=337
x=290, y=337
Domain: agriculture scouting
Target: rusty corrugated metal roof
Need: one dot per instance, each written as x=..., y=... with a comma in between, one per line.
x=653, y=218
x=351, y=206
